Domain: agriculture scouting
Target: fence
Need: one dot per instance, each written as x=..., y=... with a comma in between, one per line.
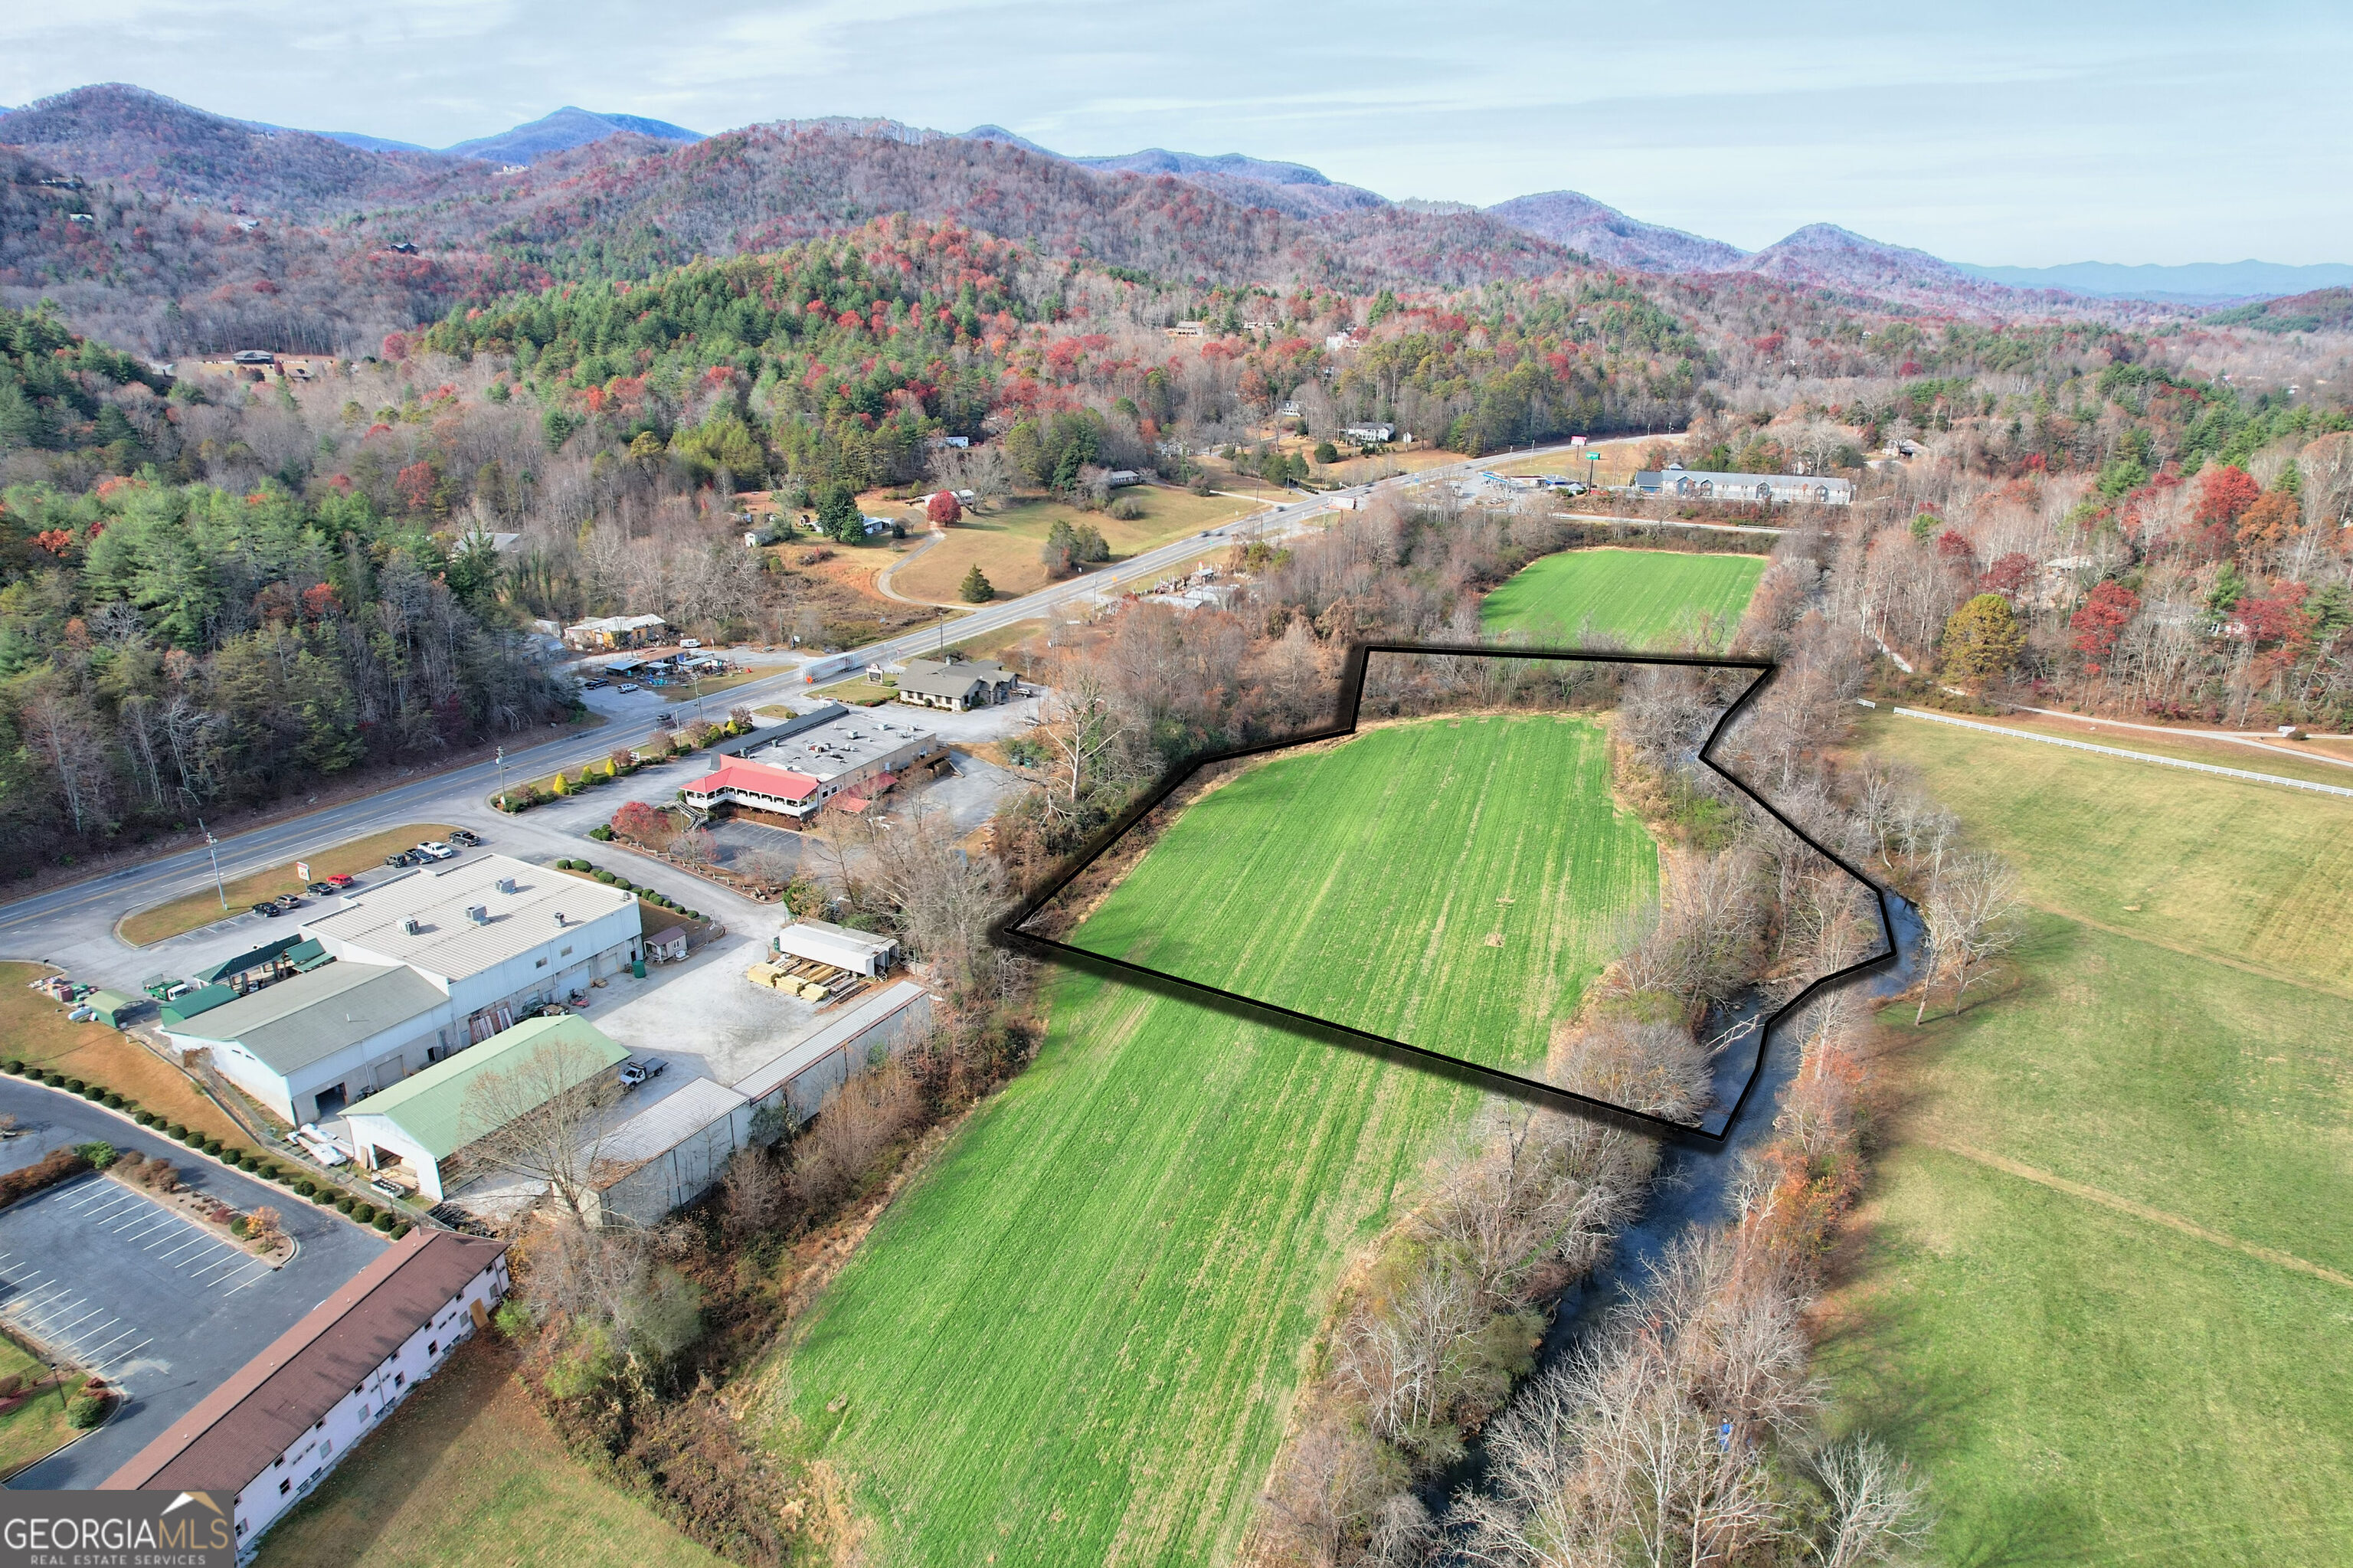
x=2134, y=755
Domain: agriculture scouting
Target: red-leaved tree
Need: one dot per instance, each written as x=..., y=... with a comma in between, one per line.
x=641, y=823
x=2101, y=620
x=942, y=508
x=2008, y=575
x=2225, y=492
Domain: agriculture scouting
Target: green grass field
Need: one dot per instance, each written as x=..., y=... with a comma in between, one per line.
x=1074, y=1340
x=2084, y=1384
x=2255, y=873
x=1650, y=597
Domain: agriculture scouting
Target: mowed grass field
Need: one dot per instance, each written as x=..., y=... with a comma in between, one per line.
x=1005, y=543
x=1074, y=1340
x=1650, y=597
x=2104, y=1284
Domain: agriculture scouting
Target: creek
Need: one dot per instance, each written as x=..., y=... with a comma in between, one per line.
x=1693, y=1183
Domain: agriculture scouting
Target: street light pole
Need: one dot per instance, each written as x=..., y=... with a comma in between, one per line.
x=502, y=776
x=212, y=848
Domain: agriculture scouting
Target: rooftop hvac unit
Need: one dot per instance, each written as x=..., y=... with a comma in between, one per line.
x=408, y=926
x=506, y=884
x=559, y=916
x=479, y=913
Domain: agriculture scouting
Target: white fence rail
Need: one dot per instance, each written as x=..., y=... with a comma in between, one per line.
x=2133, y=756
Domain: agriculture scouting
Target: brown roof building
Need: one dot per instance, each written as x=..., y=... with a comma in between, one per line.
x=272, y=1431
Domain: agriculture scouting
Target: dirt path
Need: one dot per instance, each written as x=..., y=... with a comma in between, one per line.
x=2138, y=1210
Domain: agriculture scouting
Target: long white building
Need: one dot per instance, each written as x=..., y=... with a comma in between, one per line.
x=424, y=965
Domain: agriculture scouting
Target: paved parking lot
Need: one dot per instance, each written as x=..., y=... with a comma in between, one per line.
x=159, y=1306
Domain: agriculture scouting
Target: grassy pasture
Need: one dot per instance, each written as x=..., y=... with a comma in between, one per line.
x=1074, y=1340
x=1648, y=597
x=2306, y=759
x=1005, y=543
x=2082, y=1381
x=2253, y=873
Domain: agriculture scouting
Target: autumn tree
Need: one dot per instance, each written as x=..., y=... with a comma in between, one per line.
x=2102, y=620
x=2225, y=493
x=1982, y=639
x=943, y=509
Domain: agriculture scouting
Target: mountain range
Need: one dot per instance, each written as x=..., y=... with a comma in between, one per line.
x=122, y=132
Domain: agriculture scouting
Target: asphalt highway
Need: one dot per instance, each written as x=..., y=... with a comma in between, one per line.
x=25, y=923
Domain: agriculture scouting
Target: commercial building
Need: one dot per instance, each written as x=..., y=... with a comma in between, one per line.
x=670, y=1153
x=794, y=1084
x=408, y=972
x=957, y=684
x=496, y=936
x=860, y=952
x=615, y=631
x=425, y=1122
x=848, y=759
x=307, y=1046
x=269, y=1433
x=1757, y=489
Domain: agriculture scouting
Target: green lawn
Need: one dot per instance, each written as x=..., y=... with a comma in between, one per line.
x=1650, y=597
x=1075, y=1339
x=2081, y=1384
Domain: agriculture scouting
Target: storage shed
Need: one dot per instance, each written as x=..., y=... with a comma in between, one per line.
x=114, y=1008
x=860, y=952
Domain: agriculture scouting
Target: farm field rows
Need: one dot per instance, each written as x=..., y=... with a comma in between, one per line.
x=1004, y=543
x=1650, y=597
x=2083, y=1296
x=1074, y=1340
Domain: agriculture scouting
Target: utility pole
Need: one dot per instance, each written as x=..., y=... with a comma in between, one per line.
x=502, y=776
x=212, y=848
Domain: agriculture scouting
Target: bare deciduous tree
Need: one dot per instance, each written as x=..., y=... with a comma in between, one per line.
x=544, y=1120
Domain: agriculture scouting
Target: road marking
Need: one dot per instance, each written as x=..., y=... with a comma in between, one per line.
x=2138, y=1210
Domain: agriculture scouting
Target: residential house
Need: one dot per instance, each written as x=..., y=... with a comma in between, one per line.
x=957, y=684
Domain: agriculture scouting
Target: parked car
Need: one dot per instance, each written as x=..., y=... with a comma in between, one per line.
x=340, y=881
x=637, y=1069
x=627, y=686
x=593, y=685
x=320, y=889
x=463, y=836
x=688, y=642
x=437, y=851
x=268, y=911
x=400, y=858
x=289, y=902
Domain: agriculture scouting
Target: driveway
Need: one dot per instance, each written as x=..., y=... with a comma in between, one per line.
x=161, y=1307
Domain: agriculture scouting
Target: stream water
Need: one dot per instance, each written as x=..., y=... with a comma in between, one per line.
x=1695, y=1181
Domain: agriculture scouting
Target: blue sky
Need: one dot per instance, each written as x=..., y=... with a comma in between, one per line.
x=2000, y=133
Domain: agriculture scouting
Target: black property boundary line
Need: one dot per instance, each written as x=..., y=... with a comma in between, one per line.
x=1007, y=930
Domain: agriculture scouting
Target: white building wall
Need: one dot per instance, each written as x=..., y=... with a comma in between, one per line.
x=371, y=1131
x=311, y=1456
x=679, y=1174
x=294, y=1096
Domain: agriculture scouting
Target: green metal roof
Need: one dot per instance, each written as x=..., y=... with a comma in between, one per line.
x=307, y=954
x=430, y=1107
x=253, y=958
x=179, y=1009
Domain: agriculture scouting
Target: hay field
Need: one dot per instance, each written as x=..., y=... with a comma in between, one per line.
x=1650, y=597
x=2103, y=1280
x=1005, y=543
x=1074, y=1340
